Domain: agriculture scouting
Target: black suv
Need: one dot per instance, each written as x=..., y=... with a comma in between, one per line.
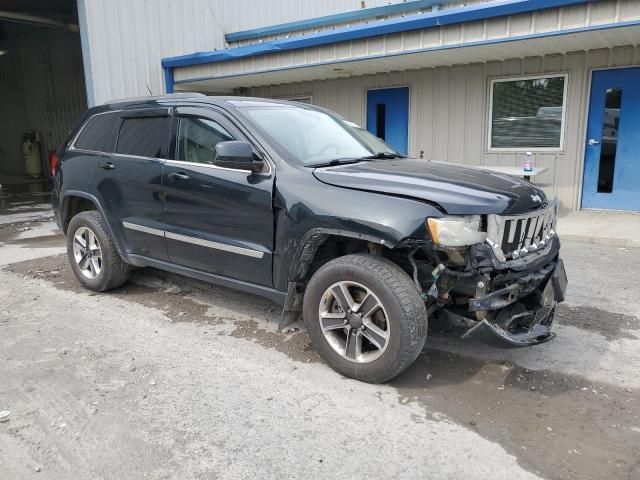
x=297, y=204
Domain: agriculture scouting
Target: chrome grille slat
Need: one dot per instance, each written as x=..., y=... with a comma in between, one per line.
x=512, y=231
x=528, y=238
x=522, y=234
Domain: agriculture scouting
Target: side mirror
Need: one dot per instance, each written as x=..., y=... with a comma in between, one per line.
x=238, y=155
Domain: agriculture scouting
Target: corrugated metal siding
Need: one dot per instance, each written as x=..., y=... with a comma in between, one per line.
x=248, y=14
x=449, y=110
x=127, y=39
x=552, y=20
x=42, y=88
x=12, y=107
x=339, y=8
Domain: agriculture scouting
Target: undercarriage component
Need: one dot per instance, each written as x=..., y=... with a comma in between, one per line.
x=506, y=296
x=514, y=319
x=496, y=337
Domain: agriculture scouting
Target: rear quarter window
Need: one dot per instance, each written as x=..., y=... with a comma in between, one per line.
x=98, y=134
x=144, y=137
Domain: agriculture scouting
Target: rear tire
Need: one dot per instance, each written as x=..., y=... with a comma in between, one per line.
x=388, y=319
x=92, y=254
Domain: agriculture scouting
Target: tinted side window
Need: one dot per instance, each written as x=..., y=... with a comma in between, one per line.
x=144, y=137
x=197, y=139
x=98, y=133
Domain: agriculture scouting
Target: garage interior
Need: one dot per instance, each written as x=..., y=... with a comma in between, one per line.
x=42, y=87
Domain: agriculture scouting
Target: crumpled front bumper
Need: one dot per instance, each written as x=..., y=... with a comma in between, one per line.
x=495, y=336
x=520, y=312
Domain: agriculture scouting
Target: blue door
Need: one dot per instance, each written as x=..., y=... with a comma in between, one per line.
x=612, y=158
x=388, y=116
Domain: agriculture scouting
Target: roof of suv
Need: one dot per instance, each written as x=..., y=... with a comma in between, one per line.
x=191, y=97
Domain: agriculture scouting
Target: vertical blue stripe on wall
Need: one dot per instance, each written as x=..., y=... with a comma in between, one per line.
x=168, y=79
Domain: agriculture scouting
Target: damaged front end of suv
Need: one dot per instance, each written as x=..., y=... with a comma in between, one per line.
x=501, y=275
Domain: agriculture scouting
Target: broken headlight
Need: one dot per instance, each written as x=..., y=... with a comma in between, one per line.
x=456, y=231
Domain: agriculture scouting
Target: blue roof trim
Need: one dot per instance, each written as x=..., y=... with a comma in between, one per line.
x=592, y=28
x=449, y=16
x=333, y=19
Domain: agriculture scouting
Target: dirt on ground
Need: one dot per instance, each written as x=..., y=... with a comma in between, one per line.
x=569, y=409
x=563, y=426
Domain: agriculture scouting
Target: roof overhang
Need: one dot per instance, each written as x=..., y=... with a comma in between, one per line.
x=452, y=16
x=480, y=32
x=584, y=39
x=336, y=19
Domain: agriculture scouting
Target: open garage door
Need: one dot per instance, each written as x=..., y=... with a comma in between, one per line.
x=42, y=87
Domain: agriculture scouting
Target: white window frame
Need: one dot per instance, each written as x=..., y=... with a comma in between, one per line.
x=560, y=148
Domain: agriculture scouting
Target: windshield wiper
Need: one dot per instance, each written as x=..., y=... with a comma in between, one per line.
x=346, y=161
x=383, y=155
x=334, y=162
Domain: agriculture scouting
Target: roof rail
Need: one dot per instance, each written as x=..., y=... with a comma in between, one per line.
x=167, y=96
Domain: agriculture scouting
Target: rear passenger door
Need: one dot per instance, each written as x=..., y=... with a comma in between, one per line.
x=218, y=220
x=128, y=181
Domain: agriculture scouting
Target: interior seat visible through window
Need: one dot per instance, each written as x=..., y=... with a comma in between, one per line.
x=197, y=139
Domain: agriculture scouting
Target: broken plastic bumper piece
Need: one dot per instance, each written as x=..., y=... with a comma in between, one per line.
x=516, y=323
x=497, y=337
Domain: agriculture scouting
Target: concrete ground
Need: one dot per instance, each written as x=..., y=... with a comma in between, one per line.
x=172, y=378
x=620, y=229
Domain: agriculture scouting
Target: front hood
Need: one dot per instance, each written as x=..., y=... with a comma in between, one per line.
x=456, y=189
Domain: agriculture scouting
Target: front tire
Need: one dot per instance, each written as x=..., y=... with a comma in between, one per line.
x=93, y=257
x=365, y=317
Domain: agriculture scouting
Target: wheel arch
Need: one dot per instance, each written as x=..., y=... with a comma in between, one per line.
x=76, y=201
x=318, y=238
x=317, y=247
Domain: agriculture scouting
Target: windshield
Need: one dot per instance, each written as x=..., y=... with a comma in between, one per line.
x=370, y=139
x=315, y=138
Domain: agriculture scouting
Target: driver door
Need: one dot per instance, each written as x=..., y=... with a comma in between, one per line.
x=217, y=220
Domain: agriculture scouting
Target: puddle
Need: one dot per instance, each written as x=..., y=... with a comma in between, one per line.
x=295, y=345
x=562, y=426
x=20, y=204
x=179, y=304
x=608, y=324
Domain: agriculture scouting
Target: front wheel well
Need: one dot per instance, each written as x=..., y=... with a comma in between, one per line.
x=334, y=247
x=73, y=206
x=321, y=248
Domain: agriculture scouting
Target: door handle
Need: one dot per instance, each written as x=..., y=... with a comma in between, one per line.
x=178, y=176
x=593, y=141
x=107, y=166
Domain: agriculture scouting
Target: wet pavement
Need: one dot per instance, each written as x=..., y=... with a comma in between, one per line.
x=566, y=409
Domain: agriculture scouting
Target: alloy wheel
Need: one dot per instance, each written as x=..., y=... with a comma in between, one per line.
x=87, y=252
x=354, y=322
